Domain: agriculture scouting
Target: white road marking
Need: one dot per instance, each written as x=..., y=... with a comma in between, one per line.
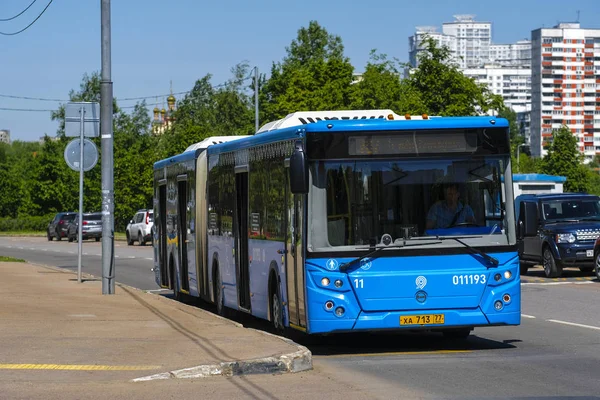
x=527, y=316
x=574, y=324
x=151, y=259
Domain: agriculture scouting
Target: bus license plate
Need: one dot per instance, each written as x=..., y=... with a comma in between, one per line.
x=422, y=319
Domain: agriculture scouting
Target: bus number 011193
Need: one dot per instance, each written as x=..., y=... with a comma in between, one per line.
x=478, y=279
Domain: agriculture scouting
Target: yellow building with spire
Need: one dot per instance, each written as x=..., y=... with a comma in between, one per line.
x=163, y=118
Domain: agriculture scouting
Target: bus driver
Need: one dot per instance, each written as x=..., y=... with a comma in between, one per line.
x=450, y=211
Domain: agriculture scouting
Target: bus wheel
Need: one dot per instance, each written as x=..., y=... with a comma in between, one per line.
x=277, y=311
x=462, y=333
x=218, y=290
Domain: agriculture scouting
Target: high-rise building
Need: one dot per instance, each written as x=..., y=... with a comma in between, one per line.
x=513, y=83
x=470, y=43
x=566, y=86
x=4, y=135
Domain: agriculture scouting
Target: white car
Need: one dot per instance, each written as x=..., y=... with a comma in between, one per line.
x=140, y=227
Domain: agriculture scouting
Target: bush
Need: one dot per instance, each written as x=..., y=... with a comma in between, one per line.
x=25, y=224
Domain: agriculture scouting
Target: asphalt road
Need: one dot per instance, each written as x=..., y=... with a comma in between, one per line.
x=133, y=264
x=555, y=352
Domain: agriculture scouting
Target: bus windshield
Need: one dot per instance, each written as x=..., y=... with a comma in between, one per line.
x=381, y=202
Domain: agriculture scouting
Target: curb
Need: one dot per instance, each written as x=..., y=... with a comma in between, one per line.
x=298, y=361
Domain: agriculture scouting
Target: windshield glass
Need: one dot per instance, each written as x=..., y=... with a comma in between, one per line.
x=365, y=202
x=579, y=209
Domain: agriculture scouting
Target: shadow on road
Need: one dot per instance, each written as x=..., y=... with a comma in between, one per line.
x=367, y=343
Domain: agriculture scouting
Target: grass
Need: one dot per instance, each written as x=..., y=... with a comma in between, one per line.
x=10, y=259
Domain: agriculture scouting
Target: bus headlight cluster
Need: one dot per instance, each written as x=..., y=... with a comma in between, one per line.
x=507, y=276
x=338, y=283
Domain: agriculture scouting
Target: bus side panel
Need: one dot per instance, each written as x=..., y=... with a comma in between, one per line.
x=220, y=250
x=263, y=254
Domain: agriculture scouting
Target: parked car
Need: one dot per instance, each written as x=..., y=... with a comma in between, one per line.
x=567, y=225
x=57, y=228
x=140, y=227
x=91, y=227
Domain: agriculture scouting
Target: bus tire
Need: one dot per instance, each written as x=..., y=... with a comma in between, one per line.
x=218, y=292
x=276, y=306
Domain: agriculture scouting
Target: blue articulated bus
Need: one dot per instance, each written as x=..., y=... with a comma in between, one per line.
x=339, y=221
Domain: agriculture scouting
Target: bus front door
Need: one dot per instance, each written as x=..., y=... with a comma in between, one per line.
x=241, y=239
x=294, y=261
x=162, y=236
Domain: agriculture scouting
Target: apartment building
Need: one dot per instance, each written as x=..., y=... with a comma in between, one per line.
x=566, y=86
x=470, y=43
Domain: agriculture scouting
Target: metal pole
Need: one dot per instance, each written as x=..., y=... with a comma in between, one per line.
x=106, y=131
x=80, y=216
x=256, y=98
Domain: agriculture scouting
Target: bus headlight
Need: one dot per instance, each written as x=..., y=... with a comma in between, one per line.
x=325, y=281
x=507, y=274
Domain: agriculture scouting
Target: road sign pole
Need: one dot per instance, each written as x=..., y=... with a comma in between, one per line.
x=80, y=222
x=106, y=132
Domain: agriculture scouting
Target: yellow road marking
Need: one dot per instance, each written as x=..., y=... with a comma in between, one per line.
x=396, y=353
x=75, y=367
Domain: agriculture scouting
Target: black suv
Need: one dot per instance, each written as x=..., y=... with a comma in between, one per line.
x=57, y=228
x=557, y=231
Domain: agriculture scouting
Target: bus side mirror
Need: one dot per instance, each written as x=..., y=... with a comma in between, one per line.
x=298, y=170
x=528, y=220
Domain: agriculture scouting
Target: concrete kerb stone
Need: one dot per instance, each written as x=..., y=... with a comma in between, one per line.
x=298, y=361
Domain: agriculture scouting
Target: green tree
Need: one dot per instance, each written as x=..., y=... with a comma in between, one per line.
x=380, y=87
x=564, y=159
x=443, y=88
x=314, y=75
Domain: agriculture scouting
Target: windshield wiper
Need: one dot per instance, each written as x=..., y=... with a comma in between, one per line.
x=487, y=257
x=347, y=265
x=563, y=220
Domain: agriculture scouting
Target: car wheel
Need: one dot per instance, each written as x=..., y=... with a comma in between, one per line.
x=97, y=239
x=141, y=239
x=129, y=241
x=552, y=268
x=49, y=236
x=597, y=268
x=58, y=237
x=70, y=238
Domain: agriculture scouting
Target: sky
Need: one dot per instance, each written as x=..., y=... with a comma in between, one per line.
x=156, y=42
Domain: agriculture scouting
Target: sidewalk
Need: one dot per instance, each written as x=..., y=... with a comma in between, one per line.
x=52, y=324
